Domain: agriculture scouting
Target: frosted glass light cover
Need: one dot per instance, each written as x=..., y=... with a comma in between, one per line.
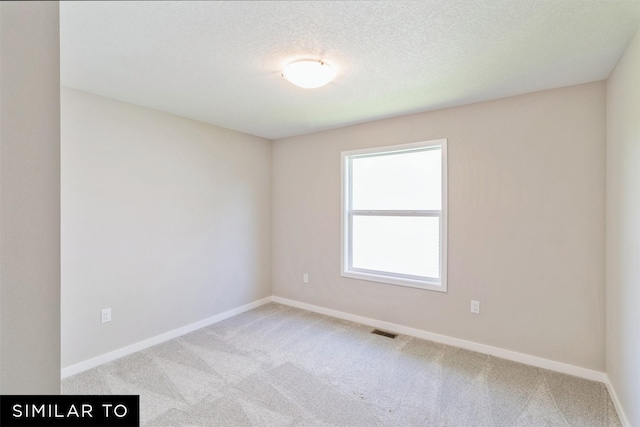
x=409, y=180
x=309, y=74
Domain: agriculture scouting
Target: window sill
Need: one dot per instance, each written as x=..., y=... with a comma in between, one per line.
x=419, y=284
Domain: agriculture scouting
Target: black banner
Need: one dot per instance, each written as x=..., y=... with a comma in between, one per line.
x=69, y=411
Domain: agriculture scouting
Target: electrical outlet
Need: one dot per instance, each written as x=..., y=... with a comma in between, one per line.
x=106, y=315
x=475, y=307
x=305, y=278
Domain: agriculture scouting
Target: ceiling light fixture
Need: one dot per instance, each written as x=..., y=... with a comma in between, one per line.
x=308, y=74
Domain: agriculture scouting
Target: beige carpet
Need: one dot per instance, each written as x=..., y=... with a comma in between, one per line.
x=280, y=366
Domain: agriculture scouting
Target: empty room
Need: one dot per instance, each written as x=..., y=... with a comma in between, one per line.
x=323, y=213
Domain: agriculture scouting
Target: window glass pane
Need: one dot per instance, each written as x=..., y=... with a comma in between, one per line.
x=397, y=181
x=403, y=245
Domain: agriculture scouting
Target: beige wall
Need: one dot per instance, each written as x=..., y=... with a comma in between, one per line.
x=526, y=224
x=29, y=198
x=165, y=220
x=623, y=230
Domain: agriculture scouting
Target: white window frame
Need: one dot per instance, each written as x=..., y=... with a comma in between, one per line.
x=347, y=270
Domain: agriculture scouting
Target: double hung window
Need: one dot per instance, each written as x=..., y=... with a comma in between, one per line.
x=394, y=225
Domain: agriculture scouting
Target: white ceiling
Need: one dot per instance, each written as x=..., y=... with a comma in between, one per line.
x=219, y=62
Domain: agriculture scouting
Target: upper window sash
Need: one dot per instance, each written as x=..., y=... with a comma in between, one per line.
x=371, y=191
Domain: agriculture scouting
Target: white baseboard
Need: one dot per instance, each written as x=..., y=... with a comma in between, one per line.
x=125, y=351
x=616, y=403
x=538, y=362
x=443, y=339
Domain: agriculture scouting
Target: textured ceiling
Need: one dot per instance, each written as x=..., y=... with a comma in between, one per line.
x=219, y=62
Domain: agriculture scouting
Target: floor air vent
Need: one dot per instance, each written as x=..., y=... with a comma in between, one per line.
x=384, y=333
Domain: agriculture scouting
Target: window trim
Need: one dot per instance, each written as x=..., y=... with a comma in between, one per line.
x=347, y=213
